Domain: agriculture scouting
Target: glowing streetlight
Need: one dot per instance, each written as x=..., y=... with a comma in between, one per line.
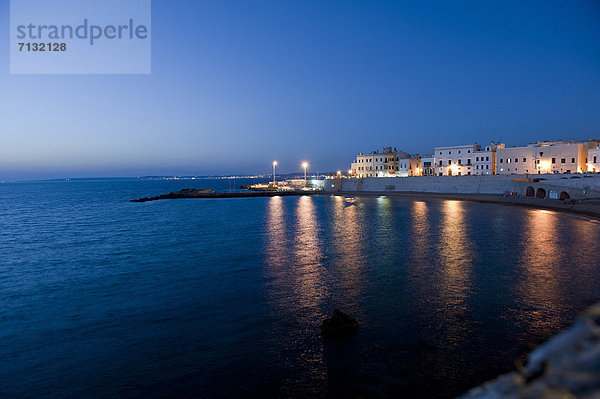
x=349, y=172
x=339, y=172
x=305, y=165
x=274, y=164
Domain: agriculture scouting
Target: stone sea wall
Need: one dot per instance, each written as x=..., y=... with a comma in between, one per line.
x=458, y=184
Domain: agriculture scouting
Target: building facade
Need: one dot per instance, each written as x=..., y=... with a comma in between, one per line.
x=545, y=157
x=485, y=159
x=378, y=164
x=593, y=160
x=427, y=165
x=515, y=160
x=455, y=160
x=409, y=167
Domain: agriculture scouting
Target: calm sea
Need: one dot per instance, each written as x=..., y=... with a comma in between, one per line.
x=100, y=297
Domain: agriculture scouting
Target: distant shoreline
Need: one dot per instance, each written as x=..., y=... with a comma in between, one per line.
x=590, y=208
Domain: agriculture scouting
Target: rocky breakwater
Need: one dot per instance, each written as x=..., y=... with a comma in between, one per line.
x=185, y=193
x=207, y=193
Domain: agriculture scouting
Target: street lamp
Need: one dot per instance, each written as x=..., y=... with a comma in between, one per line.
x=274, y=164
x=305, y=165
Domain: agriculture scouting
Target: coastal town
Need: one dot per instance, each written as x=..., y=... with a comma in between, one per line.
x=544, y=157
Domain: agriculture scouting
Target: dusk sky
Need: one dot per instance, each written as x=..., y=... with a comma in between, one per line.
x=238, y=84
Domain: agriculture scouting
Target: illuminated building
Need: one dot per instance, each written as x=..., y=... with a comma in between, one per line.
x=593, y=160
x=378, y=164
x=410, y=166
x=463, y=160
x=545, y=157
x=427, y=167
x=485, y=159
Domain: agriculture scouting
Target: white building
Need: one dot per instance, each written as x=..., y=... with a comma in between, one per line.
x=455, y=160
x=427, y=165
x=593, y=160
x=378, y=164
x=515, y=160
x=411, y=166
x=485, y=159
x=545, y=157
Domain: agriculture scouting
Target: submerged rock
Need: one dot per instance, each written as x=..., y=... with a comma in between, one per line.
x=338, y=326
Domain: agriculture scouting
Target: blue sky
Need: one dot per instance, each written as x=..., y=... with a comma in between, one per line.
x=237, y=84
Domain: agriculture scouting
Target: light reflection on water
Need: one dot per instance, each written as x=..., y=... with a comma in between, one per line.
x=224, y=298
x=310, y=287
x=542, y=258
x=348, y=243
x=420, y=227
x=427, y=254
x=455, y=255
x=276, y=234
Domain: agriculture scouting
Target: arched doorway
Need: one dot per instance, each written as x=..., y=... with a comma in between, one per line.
x=552, y=194
x=541, y=193
x=564, y=195
x=530, y=192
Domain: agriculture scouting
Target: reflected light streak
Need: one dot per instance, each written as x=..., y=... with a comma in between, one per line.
x=422, y=268
x=540, y=288
x=455, y=253
x=456, y=262
x=276, y=249
x=294, y=266
x=309, y=285
x=348, y=245
x=386, y=233
x=420, y=227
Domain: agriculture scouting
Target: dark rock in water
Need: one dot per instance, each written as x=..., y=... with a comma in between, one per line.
x=427, y=344
x=338, y=326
